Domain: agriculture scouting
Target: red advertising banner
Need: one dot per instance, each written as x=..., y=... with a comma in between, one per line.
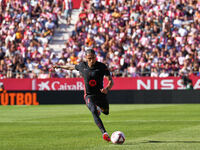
x=17, y=84
x=139, y=83
x=76, y=4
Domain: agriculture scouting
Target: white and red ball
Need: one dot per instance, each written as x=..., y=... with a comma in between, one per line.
x=117, y=137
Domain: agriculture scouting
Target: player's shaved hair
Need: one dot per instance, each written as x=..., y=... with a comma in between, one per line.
x=90, y=51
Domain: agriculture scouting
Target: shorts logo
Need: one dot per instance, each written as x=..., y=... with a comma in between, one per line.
x=92, y=83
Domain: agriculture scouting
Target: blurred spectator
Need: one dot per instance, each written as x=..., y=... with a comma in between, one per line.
x=2, y=87
x=163, y=73
x=187, y=82
x=67, y=8
x=154, y=72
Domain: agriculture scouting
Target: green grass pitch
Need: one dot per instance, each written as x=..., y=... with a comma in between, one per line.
x=71, y=127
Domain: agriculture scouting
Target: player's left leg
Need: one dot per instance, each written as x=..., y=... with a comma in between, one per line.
x=103, y=105
x=105, y=108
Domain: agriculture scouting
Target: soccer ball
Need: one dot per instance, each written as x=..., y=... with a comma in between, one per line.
x=118, y=137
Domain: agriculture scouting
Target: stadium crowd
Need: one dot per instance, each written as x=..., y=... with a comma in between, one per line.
x=26, y=29
x=156, y=38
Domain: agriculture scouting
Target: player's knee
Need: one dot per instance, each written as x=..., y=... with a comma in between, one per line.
x=106, y=112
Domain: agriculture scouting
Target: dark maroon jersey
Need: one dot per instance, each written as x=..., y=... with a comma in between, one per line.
x=93, y=77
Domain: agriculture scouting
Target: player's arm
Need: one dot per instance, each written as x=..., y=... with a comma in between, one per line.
x=110, y=82
x=68, y=67
x=109, y=85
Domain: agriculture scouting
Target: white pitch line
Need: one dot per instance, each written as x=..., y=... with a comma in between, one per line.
x=134, y=121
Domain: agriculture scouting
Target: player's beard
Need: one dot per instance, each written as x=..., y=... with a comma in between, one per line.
x=91, y=64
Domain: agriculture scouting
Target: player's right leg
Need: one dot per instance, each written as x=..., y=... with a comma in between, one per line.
x=99, y=110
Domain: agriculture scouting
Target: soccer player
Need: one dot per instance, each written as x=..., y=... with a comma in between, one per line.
x=93, y=73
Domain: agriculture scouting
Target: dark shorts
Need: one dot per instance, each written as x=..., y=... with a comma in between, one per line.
x=98, y=100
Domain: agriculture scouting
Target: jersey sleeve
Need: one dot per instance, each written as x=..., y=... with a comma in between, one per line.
x=79, y=67
x=106, y=71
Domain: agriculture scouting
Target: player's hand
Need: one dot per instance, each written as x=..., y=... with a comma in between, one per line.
x=56, y=66
x=104, y=91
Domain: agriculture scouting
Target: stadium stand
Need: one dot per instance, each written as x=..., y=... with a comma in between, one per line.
x=157, y=38
x=26, y=28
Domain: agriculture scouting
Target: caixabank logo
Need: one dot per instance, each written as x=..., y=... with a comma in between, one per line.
x=48, y=85
x=18, y=98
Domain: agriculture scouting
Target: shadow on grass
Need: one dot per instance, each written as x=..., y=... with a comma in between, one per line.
x=171, y=142
x=151, y=141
